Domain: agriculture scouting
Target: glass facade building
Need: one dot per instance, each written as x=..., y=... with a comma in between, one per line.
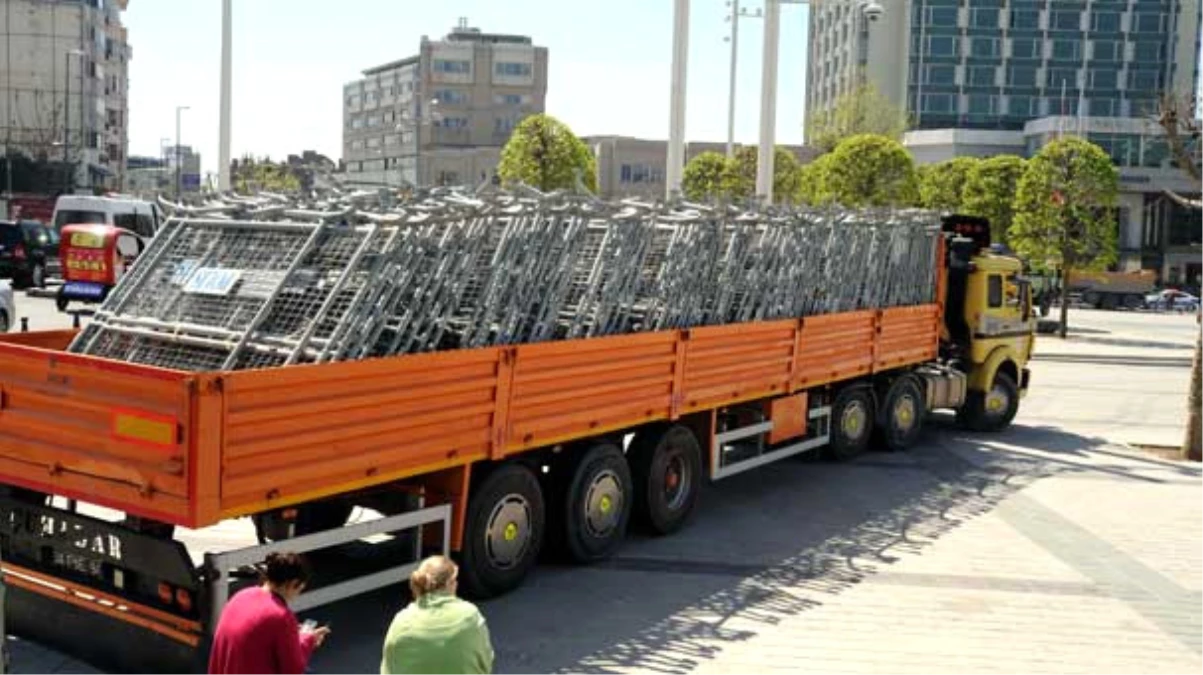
x=995, y=64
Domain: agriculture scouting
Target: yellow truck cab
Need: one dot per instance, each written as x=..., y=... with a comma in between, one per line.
x=989, y=324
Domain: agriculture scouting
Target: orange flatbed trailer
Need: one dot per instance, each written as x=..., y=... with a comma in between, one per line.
x=193, y=449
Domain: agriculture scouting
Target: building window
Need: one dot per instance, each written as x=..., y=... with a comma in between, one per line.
x=941, y=45
x=982, y=17
x=1025, y=18
x=374, y=121
x=983, y=104
x=1149, y=52
x=452, y=67
x=451, y=96
x=1023, y=106
x=1146, y=80
x=981, y=76
x=1148, y=23
x=941, y=16
x=452, y=123
x=389, y=117
x=939, y=103
x=1108, y=50
x=985, y=47
x=512, y=69
x=1104, y=107
x=1021, y=76
x=1067, y=50
x=1104, y=78
x=938, y=73
x=1062, y=77
x=357, y=123
x=1104, y=22
x=512, y=99
x=504, y=125
x=357, y=145
x=373, y=142
x=1023, y=48
x=1065, y=20
x=392, y=139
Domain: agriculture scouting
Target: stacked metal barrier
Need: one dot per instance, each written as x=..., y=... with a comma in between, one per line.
x=269, y=281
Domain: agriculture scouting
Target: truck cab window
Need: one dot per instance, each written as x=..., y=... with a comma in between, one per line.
x=994, y=291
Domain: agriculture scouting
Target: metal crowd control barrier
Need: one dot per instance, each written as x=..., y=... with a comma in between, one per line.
x=219, y=565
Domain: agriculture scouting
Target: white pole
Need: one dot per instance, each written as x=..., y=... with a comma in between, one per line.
x=223, y=150
x=768, y=101
x=676, y=129
x=731, y=89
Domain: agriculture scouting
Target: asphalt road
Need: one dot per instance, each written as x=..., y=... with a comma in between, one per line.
x=1121, y=378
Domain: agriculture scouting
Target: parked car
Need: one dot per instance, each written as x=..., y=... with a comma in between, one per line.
x=1170, y=299
x=8, y=307
x=28, y=252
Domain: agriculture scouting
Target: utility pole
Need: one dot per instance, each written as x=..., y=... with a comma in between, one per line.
x=178, y=160
x=675, y=166
x=223, y=147
x=731, y=87
x=768, y=102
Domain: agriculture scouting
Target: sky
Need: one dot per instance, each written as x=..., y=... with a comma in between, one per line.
x=609, y=66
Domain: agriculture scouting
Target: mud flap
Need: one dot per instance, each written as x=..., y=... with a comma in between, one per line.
x=99, y=592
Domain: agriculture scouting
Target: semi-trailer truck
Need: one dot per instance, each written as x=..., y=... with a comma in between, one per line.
x=491, y=453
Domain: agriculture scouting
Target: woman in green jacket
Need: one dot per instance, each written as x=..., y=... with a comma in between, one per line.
x=437, y=632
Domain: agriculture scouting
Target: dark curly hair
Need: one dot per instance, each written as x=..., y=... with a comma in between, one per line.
x=280, y=569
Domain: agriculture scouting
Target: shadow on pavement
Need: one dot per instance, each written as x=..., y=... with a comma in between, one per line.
x=764, y=546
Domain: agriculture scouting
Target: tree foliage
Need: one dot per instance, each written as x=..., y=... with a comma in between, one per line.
x=869, y=170
x=941, y=186
x=251, y=175
x=704, y=177
x=812, y=186
x=863, y=110
x=990, y=192
x=545, y=154
x=1065, y=211
x=713, y=176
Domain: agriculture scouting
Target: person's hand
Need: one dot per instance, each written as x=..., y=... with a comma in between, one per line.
x=319, y=634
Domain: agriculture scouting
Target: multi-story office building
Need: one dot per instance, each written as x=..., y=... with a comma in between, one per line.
x=995, y=64
x=64, y=89
x=441, y=116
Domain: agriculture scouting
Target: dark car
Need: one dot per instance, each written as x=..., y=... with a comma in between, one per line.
x=28, y=252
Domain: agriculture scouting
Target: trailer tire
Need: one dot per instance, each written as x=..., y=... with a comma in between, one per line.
x=851, y=423
x=594, y=510
x=666, y=465
x=503, y=531
x=901, y=417
x=993, y=411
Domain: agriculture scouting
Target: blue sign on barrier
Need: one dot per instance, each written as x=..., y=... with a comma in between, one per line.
x=212, y=281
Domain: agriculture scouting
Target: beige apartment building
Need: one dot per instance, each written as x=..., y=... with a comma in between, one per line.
x=634, y=167
x=64, y=85
x=440, y=117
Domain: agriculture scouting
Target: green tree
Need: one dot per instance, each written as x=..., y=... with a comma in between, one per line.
x=704, y=177
x=1065, y=211
x=812, y=185
x=870, y=170
x=941, y=186
x=738, y=179
x=990, y=192
x=863, y=110
x=545, y=154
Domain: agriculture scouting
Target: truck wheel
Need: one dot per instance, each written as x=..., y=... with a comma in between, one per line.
x=666, y=464
x=61, y=301
x=1134, y=301
x=37, y=276
x=503, y=531
x=5, y=324
x=902, y=415
x=991, y=411
x=597, y=504
x=304, y=519
x=851, y=423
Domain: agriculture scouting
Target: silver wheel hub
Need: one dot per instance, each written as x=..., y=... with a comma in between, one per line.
x=508, y=534
x=904, y=413
x=603, y=504
x=854, y=420
x=997, y=401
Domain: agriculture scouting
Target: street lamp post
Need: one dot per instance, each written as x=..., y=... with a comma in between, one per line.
x=737, y=13
x=223, y=144
x=178, y=164
x=675, y=166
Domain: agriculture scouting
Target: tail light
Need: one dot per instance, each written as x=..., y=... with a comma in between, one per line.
x=19, y=252
x=165, y=594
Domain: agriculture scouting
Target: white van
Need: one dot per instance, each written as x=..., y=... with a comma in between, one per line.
x=140, y=217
